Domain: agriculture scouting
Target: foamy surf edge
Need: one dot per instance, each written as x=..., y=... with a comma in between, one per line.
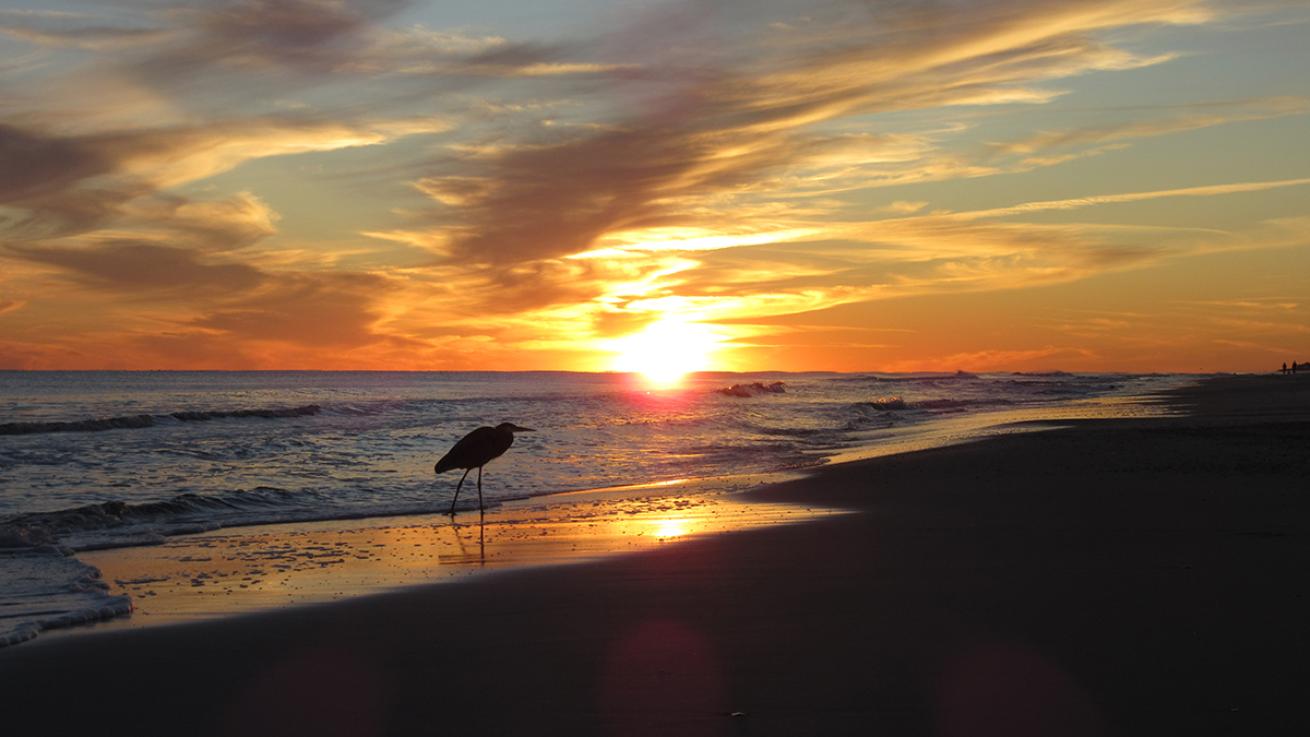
x=46, y=588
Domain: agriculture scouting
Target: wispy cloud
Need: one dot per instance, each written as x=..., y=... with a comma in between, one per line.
x=1109, y=199
x=97, y=38
x=139, y=269
x=1048, y=147
x=63, y=185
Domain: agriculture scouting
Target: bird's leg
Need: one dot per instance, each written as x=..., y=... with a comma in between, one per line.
x=479, y=487
x=457, y=488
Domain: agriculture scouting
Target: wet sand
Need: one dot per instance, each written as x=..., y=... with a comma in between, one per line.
x=242, y=570
x=1114, y=577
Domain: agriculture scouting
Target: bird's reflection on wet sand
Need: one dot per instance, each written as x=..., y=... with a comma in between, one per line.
x=464, y=557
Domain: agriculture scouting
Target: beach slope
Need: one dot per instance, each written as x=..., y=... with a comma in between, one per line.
x=1112, y=577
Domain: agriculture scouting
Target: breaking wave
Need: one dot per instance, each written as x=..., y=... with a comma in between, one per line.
x=753, y=389
x=141, y=421
x=42, y=589
x=116, y=524
x=893, y=403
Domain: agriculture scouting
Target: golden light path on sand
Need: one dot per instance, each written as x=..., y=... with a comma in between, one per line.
x=242, y=570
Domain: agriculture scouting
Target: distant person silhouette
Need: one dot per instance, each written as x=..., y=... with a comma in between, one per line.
x=1284, y=367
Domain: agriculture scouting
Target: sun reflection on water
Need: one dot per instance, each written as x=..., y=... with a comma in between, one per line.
x=671, y=528
x=249, y=569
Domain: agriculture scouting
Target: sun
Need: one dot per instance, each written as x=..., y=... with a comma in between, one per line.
x=666, y=351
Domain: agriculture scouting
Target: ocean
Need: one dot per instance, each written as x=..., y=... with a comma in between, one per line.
x=107, y=459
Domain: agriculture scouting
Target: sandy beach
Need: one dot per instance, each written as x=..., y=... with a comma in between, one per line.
x=1136, y=577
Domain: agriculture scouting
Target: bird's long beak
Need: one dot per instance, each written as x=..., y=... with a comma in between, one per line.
x=523, y=429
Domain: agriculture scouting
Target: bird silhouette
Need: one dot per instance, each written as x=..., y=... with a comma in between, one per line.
x=475, y=450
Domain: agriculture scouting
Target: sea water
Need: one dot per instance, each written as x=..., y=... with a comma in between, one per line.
x=102, y=459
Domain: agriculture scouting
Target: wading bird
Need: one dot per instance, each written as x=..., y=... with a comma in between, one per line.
x=475, y=450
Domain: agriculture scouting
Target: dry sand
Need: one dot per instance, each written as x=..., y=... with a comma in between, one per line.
x=1118, y=577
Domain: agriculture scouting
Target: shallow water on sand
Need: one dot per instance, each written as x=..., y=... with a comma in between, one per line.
x=250, y=569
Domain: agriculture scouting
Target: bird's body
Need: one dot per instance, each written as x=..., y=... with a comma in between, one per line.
x=475, y=450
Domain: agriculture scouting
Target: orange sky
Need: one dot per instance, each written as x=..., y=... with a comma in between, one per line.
x=379, y=184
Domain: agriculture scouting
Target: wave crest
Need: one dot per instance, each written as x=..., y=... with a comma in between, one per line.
x=753, y=389
x=132, y=422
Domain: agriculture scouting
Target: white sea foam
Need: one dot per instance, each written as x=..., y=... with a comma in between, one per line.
x=43, y=588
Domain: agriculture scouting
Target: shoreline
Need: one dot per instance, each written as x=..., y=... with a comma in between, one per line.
x=241, y=569
x=42, y=527
x=1132, y=577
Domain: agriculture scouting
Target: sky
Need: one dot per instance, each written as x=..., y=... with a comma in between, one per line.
x=982, y=185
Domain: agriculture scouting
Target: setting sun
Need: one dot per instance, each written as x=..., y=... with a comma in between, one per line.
x=666, y=351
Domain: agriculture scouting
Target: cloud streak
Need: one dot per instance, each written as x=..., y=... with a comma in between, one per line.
x=1109, y=199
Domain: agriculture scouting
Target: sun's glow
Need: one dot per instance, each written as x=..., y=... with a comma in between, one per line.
x=664, y=352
